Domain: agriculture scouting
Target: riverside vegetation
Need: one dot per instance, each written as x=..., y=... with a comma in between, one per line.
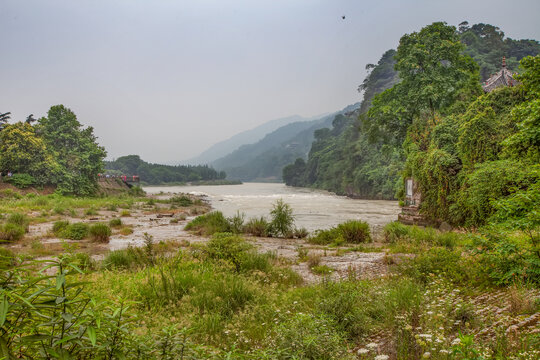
x=451, y=298
x=470, y=294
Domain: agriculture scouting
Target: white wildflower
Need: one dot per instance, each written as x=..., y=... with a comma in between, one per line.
x=371, y=345
x=381, y=357
x=362, y=351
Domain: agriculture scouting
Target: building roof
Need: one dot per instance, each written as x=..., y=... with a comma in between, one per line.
x=503, y=77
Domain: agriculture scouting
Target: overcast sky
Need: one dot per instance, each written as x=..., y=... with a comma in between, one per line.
x=166, y=79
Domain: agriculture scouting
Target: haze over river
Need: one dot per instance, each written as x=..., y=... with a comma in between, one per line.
x=313, y=209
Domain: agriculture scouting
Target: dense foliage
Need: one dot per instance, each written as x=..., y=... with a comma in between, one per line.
x=430, y=77
x=158, y=174
x=344, y=159
x=57, y=150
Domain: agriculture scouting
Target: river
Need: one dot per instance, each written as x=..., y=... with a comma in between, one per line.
x=313, y=209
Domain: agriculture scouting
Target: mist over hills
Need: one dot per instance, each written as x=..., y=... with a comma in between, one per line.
x=265, y=159
x=251, y=136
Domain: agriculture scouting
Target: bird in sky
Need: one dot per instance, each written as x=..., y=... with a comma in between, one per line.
x=343, y=17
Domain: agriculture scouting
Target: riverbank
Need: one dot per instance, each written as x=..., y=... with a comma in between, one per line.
x=413, y=291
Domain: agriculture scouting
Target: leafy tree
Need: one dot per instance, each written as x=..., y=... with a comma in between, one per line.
x=525, y=143
x=22, y=151
x=433, y=71
x=75, y=150
x=4, y=117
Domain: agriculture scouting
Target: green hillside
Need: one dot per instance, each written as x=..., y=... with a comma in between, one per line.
x=265, y=159
x=362, y=155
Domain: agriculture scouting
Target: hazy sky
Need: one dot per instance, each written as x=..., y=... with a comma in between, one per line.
x=166, y=79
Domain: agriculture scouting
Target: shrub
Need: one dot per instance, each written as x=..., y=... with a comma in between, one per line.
x=300, y=233
x=21, y=180
x=75, y=231
x=126, y=231
x=325, y=237
x=100, y=232
x=90, y=211
x=504, y=260
x=11, y=232
x=355, y=231
x=182, y=200
x=209, y=224
x=125, y=213
x=19, y=219
x=59, y=226
x=257, y=227
x=395, y=231
x=237, y=222
x=282, y=221
x=229, y=247
x=116, y=222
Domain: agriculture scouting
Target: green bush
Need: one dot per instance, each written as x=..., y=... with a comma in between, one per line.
x=229, y=247
x=257, y=227
x=237, y=222
x=116, y=222
x=209, y=224
x=325, y=237
x=395, y=231
x=182, y=200
x=352, y=231
x=59, y=226
x=11, y=232
x=21, y=180
x=75, y=231
x=19, y=219
x=100, y=232
x=355, y=231
x=503, y=260
x=282, y=219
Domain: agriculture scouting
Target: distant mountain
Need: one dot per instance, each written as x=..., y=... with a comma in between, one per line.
x=247, y=137
x=265, y=159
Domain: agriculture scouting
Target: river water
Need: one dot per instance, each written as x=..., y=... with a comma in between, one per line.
x=313, y=209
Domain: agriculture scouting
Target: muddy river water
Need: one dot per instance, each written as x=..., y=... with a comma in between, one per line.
x=313, y=209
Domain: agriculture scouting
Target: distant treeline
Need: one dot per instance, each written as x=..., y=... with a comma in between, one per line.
x=156, y=174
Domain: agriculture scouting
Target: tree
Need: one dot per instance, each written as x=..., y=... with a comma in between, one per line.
x=4, y=117
x=525, y=144
x=75, y=150
x=23, y=152
x=433, y=71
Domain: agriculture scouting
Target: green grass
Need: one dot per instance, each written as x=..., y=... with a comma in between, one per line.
x=208, y=224
x=100, y=232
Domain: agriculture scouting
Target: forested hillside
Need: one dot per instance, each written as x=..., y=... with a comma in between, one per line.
x=156, y=174
x=265, y=159
x=362, y=155
x=251, y=136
